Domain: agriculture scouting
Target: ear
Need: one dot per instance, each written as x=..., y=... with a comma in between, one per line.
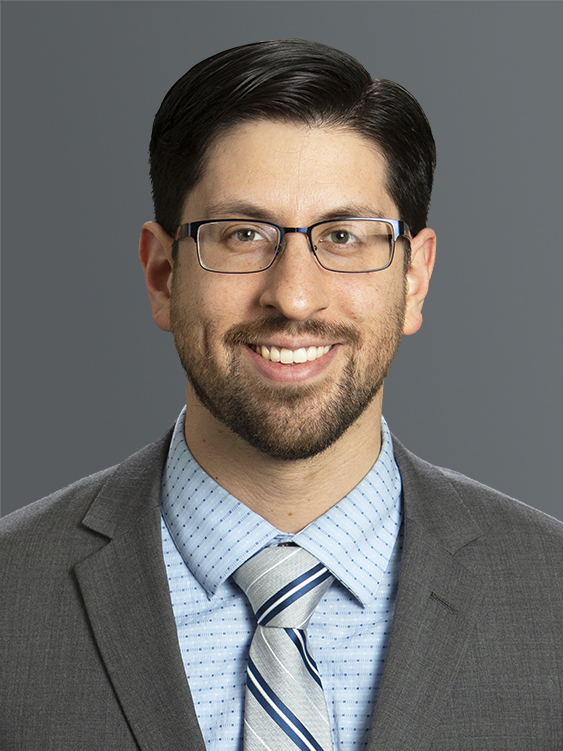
x=155, y=253
x=423, y=254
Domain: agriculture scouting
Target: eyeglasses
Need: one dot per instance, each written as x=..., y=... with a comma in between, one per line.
x=241, y=246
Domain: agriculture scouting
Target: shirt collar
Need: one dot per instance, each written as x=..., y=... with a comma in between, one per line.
x=215, y=533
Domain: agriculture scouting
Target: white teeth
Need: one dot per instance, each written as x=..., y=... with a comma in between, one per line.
x=292, y=356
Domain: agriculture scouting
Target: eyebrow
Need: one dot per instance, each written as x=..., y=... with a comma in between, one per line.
x=350, y=210
x=234, y=209
x=242, y=209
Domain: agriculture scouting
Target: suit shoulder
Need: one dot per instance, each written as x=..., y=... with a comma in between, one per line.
x=58, y=517
x=50, y=523
x=490, y=506
x=496, y=514
x=73, y=496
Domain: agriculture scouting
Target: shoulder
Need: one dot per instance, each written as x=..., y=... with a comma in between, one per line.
x=57, y=514
x=501, y=520
x=42, y=530
x=525, y=542
x=490, y=505
x=513, y=551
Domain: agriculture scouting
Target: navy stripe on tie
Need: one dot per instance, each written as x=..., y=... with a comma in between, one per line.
x=309, y=580
x=287, y=588
x=279, y=712
x=297, y=637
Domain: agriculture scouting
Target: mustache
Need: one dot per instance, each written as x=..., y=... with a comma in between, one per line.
x=253, y=332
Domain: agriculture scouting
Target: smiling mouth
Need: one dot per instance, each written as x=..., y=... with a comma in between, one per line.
x=290, y=356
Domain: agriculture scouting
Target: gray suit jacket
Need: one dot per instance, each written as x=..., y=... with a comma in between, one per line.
x=90, y=656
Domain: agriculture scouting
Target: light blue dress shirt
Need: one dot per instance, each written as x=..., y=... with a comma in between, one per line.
x=207, y=534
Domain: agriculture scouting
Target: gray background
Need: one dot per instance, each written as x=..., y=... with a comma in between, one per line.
x=87, y=376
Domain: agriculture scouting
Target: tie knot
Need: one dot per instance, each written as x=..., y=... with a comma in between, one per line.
x=284, y=586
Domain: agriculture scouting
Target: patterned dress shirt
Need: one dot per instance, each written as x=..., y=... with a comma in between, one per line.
x=207, y=534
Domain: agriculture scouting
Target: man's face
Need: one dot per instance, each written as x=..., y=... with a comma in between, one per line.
x=227, y=327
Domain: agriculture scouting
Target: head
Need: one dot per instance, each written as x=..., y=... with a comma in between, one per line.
x=291, y=133
x=288, y=81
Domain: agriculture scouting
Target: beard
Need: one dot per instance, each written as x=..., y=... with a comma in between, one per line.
x=289, y=421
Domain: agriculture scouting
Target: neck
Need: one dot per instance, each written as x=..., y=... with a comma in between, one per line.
x=288, y=494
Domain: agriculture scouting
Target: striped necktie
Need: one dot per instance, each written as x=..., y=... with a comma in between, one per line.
x=285, y=706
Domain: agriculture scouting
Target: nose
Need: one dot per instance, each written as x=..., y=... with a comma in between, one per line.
x=295, y=285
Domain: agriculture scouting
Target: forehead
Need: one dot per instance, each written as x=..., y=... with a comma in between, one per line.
x=290, y=170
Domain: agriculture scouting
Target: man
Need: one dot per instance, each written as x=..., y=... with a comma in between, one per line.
x=289, y=255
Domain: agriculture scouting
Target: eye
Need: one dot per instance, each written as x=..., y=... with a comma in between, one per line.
x=246, y=235
x=244, y=238
x=340, y=237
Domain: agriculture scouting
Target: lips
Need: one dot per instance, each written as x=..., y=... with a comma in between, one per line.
x=291, y=356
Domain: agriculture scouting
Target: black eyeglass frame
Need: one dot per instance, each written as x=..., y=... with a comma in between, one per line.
x=191, y=229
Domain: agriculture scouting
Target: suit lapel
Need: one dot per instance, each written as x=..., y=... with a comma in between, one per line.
x=437, y=605
x=125, y=591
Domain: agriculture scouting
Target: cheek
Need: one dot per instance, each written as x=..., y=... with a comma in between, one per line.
x=374, y=306
x=362, y=300
x=226, y=300
x=214, y=303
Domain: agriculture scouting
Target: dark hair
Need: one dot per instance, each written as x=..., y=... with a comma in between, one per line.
x=290, y=81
